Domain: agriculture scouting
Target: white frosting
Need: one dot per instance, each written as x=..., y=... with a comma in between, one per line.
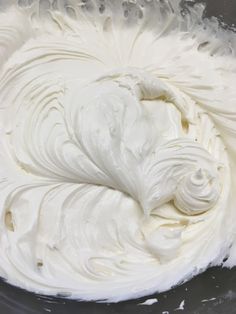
x=149, y=302
x=118, y=139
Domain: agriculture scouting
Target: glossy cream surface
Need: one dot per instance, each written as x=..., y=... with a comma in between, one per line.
x=118, y=142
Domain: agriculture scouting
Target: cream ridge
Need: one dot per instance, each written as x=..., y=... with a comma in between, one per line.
x=118, y=146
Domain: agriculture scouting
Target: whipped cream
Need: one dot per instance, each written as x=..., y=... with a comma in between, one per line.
x=118, y=136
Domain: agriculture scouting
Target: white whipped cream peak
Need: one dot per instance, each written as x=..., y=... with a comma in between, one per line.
x=118, y=136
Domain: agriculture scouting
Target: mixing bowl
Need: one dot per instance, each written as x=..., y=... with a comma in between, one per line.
x=209, y=293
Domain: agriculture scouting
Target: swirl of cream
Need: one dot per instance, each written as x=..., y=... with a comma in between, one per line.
x=197, y=192
x=117, y=151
